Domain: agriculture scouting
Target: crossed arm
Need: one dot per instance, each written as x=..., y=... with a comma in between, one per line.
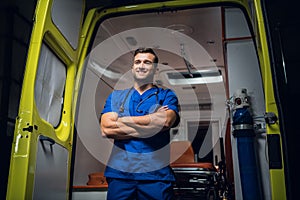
x=127, y=127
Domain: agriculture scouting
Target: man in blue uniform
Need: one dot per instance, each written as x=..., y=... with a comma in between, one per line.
x=139, y=120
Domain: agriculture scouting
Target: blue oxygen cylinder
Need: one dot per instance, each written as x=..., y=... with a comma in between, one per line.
x=244, y=133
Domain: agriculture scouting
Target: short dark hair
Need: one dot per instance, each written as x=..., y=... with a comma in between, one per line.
x=147, y=50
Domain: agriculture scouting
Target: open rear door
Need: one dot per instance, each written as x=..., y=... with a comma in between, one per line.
x=43, y=138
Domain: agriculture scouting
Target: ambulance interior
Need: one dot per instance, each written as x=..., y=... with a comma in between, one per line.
x=206, y=54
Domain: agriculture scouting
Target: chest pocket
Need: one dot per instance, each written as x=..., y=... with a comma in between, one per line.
x=149, y=105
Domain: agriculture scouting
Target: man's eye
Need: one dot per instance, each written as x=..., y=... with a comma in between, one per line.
x=137, y=62
x=148, y=62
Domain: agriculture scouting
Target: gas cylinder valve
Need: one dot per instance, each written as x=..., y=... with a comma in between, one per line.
x=270, y=118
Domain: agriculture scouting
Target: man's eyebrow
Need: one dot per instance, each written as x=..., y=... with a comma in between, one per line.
x=145, y=60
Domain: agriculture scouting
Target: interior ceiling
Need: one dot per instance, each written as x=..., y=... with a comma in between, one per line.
x=114, y=3
x=201, y=25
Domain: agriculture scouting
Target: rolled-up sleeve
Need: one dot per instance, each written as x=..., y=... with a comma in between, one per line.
x=108, y=105
x=171, y=101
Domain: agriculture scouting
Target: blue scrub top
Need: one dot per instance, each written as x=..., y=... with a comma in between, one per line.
x=141, y=158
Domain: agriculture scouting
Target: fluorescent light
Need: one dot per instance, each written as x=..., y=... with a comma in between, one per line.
x=196, y=77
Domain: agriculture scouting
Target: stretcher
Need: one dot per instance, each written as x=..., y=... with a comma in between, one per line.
x=194, y=180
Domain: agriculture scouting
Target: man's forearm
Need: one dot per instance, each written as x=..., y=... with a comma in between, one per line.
x=146, y=125
x=112, y=128
x=137, y=126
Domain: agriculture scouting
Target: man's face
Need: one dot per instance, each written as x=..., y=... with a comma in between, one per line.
x=143, y=67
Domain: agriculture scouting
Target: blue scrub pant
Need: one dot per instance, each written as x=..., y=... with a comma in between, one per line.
x=123, y=189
